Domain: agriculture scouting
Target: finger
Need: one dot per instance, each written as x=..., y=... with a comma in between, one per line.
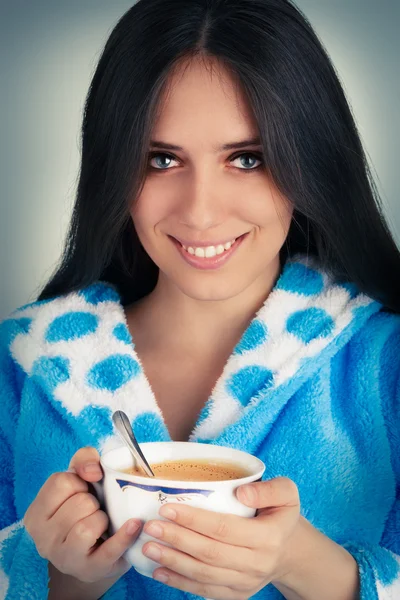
x=201, y=547
x=273, y=493
x=53, y=493
x=107, y=558
x=226, y=528
x=204, y=590
x=72, y=554
x=194, y=569
x=84, y=534
x=278, y=503
x=86, y=463
x=76, y=508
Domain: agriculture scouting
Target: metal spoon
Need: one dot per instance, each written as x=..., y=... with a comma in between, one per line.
x=124, y=428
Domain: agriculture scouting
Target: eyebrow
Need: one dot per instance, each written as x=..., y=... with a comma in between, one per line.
x=231, y=146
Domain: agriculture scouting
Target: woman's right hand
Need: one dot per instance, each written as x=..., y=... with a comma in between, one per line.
x=65, y=522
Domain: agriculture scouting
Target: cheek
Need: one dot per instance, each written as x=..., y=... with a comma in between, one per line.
x=284, y=214
x=146, y=214
x=158, y=200
x=271, y=214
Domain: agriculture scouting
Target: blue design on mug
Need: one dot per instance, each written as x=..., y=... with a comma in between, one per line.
x=179, y=494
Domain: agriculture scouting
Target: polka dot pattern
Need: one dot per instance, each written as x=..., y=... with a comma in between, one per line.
x=102, y=372
x=148, y=427
x=98, y=421
x=24, y=324
x=12, y=327
x=122, y=334
x=71, y=326
x=99, y=292
x=255, y=335
x=51, y=370
x=247, y=381
x=300, y=279
x=310, y=324
x=113, y=372
x=351, y=288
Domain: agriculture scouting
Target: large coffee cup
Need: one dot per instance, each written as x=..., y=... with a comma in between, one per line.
x=125, y=495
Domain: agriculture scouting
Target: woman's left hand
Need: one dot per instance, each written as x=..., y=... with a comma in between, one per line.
x=223, y=556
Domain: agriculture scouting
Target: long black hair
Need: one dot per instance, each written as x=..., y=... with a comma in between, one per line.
x=311, y=146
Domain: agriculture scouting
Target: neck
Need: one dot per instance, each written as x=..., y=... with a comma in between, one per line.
x=170, y=317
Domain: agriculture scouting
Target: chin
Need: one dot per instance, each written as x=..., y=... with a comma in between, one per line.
x=212, y=291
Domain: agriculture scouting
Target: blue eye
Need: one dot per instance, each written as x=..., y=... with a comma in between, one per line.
x=254, y=157
x=167, y=159
x=156, y=155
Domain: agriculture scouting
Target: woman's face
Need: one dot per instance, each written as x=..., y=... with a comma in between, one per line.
x=203, y=196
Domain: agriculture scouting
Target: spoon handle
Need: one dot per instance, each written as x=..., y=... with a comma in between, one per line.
x=124, y=428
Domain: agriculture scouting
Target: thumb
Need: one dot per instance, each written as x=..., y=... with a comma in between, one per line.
x=86, y=463
x=272, y=493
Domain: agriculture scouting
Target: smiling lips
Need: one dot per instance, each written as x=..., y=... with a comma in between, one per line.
x=206, y=256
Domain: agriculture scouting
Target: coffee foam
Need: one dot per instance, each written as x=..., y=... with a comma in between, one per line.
x=194, y=470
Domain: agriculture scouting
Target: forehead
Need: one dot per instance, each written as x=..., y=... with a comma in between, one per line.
x=203, y=99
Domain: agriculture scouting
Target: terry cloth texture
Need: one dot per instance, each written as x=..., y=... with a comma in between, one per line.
x=312, y=389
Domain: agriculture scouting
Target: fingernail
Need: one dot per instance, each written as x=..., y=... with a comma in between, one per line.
x=168, y=512
x=132, y=526
x=153, y=552
x=91, y=468
x=247, y=493
x=154, y=530
x=161, y=577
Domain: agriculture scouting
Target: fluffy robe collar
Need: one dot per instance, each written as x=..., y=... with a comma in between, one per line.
x=78, y=348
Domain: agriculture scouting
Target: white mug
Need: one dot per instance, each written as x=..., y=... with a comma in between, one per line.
x=125, y=496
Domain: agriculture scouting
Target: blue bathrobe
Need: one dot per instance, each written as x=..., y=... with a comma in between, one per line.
x=312, y=389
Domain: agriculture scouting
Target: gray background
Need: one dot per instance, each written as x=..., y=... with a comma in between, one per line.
x=48, y=52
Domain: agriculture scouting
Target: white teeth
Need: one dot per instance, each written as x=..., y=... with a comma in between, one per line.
x=209, y=251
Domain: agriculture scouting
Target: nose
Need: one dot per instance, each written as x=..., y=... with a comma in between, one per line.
x=201, y=207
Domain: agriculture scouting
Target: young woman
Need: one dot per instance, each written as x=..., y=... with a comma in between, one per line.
x=228, y=278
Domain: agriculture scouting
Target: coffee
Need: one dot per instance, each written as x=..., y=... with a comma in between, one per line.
x=193, y=469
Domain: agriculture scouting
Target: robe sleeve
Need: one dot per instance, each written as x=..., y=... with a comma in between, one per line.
x=379, y=565
x=23, y=573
